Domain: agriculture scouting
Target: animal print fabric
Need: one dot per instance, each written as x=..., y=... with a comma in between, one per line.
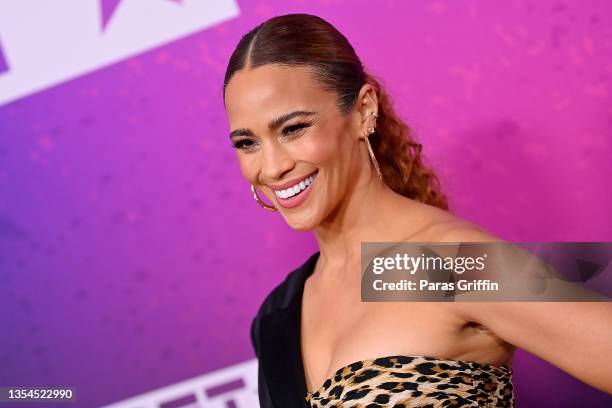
x=415, y=381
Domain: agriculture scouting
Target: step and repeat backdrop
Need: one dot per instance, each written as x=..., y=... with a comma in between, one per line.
x=132, y=254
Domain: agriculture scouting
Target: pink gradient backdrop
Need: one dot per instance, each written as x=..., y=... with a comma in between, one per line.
x=133, y=256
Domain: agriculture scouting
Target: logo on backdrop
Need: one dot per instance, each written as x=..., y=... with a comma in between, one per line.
x=45, y=43
x=234, y=386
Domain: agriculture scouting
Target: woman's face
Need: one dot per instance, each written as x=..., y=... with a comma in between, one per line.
x=302, y=162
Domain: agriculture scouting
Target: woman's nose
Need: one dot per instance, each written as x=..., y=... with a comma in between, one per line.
x=276, y=162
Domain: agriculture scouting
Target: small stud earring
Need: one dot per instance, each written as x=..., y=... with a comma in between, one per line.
x=371, y=129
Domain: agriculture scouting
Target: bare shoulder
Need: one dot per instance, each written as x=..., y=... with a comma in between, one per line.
x=465, y=231
x=442, y=226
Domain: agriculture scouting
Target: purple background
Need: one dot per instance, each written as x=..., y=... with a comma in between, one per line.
x=132, y=255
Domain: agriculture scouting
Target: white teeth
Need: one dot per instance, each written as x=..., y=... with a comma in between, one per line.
x=293, y=190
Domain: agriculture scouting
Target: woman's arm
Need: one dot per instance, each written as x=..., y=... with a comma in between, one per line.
x=573, y=336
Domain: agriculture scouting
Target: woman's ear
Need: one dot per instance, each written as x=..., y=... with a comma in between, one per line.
x=367, y=103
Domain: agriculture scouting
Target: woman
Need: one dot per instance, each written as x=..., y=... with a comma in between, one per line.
x=319, y=137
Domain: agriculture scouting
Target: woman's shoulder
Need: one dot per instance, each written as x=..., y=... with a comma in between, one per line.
x=442, y=226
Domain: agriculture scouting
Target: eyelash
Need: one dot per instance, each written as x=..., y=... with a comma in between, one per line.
x=288, y=131
x=294, y=128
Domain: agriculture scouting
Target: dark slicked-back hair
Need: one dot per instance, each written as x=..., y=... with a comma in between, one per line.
x=309, y=41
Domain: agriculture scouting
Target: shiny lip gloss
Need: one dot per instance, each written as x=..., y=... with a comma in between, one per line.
x=299, y=198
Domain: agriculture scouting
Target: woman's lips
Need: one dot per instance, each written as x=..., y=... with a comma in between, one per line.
x=299, y=198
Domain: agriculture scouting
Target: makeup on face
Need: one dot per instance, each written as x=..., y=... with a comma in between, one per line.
x=294, y=192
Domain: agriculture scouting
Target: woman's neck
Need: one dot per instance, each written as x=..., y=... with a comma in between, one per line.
x=367, y=214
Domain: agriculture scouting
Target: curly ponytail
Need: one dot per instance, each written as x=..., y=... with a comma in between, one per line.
x=308, y=40
x=399, y=155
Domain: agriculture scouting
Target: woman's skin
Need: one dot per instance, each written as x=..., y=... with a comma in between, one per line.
x=348, y=204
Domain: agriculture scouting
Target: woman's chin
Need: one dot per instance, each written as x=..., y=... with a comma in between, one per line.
x=301, y=227
x=301, y=223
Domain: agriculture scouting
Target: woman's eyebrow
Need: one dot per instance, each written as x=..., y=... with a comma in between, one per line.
x=274, y=123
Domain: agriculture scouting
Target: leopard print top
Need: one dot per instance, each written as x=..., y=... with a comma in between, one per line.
x=416, y=381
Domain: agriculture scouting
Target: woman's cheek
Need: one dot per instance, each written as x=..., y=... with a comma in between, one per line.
x=247, y=168
x=319, y=149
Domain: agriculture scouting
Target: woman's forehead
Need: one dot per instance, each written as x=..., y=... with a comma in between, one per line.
x=271, y=90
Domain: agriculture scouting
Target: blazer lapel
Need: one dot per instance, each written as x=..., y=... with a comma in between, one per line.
x=280, y=345
x=281, y=357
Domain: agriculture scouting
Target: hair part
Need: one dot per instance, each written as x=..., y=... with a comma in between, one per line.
x=309, y=41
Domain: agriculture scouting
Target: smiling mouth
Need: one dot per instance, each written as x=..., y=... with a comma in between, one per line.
x=296, y=189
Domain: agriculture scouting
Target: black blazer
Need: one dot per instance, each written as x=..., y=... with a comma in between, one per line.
x=275, y=334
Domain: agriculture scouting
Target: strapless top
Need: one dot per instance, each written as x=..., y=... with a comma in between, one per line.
x=416, y=381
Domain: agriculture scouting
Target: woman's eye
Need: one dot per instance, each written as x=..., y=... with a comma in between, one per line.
x=243, y=144
x=248, y=144
x=294, y=128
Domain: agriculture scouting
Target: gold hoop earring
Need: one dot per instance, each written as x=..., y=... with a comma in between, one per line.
x=373, y=158
x=260, y=201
